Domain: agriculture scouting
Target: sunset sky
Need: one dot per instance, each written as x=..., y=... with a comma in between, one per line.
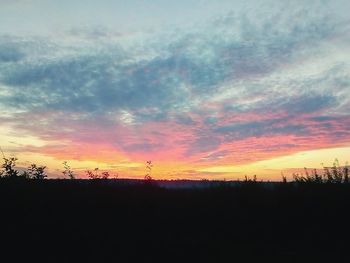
x=205, y=89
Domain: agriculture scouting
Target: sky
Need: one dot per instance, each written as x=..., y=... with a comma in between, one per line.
x=205, y=89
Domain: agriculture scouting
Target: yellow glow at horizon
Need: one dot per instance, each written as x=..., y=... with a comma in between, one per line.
x=271, y=169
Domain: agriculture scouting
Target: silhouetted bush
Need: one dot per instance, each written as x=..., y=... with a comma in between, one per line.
x=105, y=175
x=93, y=175
x=8, y=168
x=37, y=172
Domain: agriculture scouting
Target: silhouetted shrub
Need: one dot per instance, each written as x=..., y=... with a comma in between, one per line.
x=105, y=175
x=37, y=172
x=8, y=168
x=93, y=175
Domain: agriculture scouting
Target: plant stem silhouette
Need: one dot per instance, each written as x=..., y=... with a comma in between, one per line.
x=148, y=176
x=68, y=171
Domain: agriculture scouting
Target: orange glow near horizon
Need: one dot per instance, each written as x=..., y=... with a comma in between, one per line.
x=268, y=168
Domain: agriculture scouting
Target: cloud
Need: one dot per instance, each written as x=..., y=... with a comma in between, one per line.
x=10, y=53
x=229, y=49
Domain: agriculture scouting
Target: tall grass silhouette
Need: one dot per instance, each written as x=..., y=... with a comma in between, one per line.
x=149, y=166
x=335, y=174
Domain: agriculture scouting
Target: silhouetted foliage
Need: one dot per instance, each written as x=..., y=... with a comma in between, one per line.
x=331, y=175
x=148, y=176
x=93, y=175
x=68, y=171
x=249, y=180
x=284, y=179
x=105, y=175
x=8, y=168
x=346, y=174
x=89, y=174
x=37, y=172
x=25, y=175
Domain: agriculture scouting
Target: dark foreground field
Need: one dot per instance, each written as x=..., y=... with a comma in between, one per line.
x=61, y=220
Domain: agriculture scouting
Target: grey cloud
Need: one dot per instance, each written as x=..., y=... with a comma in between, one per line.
x=9, y=53
x=260, y=128
x=184, y=119
x=322, y=118
x=91, y=84
x=304, y=104
x=203, y=59
x=210, y=120
x=307, y=103
x=203, y=143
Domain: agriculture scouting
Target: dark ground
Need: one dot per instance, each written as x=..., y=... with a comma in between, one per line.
x=97, y=221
